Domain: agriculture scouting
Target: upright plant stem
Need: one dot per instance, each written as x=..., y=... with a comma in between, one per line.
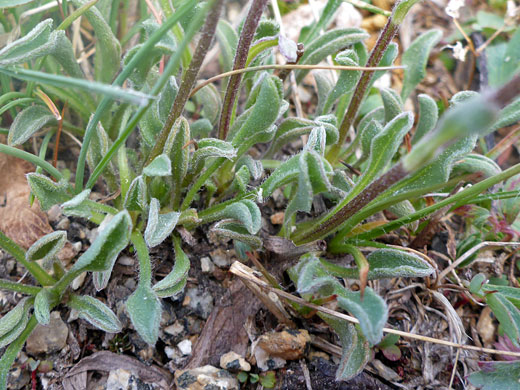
x=246, y=38
x=385, y=38
x=190, y=76
x=145, y=267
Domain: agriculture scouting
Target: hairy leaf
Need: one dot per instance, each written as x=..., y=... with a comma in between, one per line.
x=144, y=310
x=227, y=40
x=47, y=248
x=95, y=312
x=111, y=240
x=42, y=306
x=392, y=103
x=507, y=314
x=77, y=206
x=246, y=212
x=34, y=44
x=473, y=163
x=136, y=197
x=28, y=122
x=428, y=116
x=175, y=281
x=160, y=166
x=415, y=58
x=159, y=226
x=229, y=229
x=497, y=376
x=14, y=322
x=393, y=263
x=47, y=191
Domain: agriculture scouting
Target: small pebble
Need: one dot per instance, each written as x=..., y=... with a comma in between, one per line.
x=277, y=219
x=233, y=362
x=207, y=265
x=185, y=347
x=206, y=377
x=64, y=224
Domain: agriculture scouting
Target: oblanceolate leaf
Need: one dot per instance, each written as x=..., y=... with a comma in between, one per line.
x=42, y=306
x=34, y=44
x=473, y=163
x=211, y=102
x=108, y=50
x=136, y=197
x=95, y=312
x=245, y=211
x=346, y=81
x=254, y=167
x=402, y=209
x=392, y=103
x=293, y=128
x=47, y=191
x=310, y=32
x=211, y=147
x=510, y=293
x=394, y=263
x=284, y=174
x=256, y=124
x=179, y=155
x=175, y=281
x=507, y=314
x=77, y=206
x=227, y=40
x=159, y=226
x=415, y=58
x=144, y=310
x=160, y=166
x=509, y=115
x=497, y=376
x=324, y=86
x=428, y=116
x=383, y=147
x=111, y=240
x=98, y=148
x=47, y=247
x=371, y=311
x=13, y=323
x=27, y=122
x=356, y=351
x=329, y=43
x=230, y=229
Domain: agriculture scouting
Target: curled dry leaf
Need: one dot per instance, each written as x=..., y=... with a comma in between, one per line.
x=20, y=221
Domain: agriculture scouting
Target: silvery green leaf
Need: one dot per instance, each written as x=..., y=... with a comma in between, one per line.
x=108, y=48
x=227, y=40
x=95, y=312
x=27, y=122
x=475, y=286
x=98, y=148
x=267, y=28
x=383, y=147
x=366, y=135
x=286, y=173
x=507, y=314
x=47, y=191
x=241, y=180
x=428, y=116
x=316, y=141
x=77, y=206
x=347, y=79
x=42, y=306
x=136, y=197
x=312, y=277
x=512, y=294
x=462, y=96
x=258, y=125
x=166, y=98
x=101, y=278
x=356, y=352
x=229, y=229
x=509, y=115
x=13, y=323
x=312, y=180
x=394, y=263
x=288, y=48
x=497, y=375
x=160, y=166
x=388, y=59
x=325, y=86
x=167, y=43
x=64, y=54
x=371, y=311
x=392, y=103
x=144, y=310
x=341, y=181
x=327, y=44
x=415, y=58
x=473, y=163
x=14, y=3
x=111, y=240
x=211, y=102
x=402, y=209
x=253, y=166
x=201, y=128
x=176, y=279
x=246, y=212
x=47, y=248
x=34, y=44
x=293, y=128
x=179, y=155
x=211, y=147
x=159, y=226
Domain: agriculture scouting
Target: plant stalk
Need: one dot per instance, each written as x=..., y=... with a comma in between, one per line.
x=20, y=288
x=246, y=38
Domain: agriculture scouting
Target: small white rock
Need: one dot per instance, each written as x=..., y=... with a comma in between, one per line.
x=78, y=281
x=185, y=347
x=207, y=265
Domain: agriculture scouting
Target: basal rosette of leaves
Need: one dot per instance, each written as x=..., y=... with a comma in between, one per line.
x=192, y=165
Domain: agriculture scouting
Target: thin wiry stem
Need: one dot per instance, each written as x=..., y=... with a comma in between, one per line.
x=246, y=37
x=190, y=76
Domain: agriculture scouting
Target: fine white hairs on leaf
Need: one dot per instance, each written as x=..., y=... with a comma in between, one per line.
x=453, y=8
